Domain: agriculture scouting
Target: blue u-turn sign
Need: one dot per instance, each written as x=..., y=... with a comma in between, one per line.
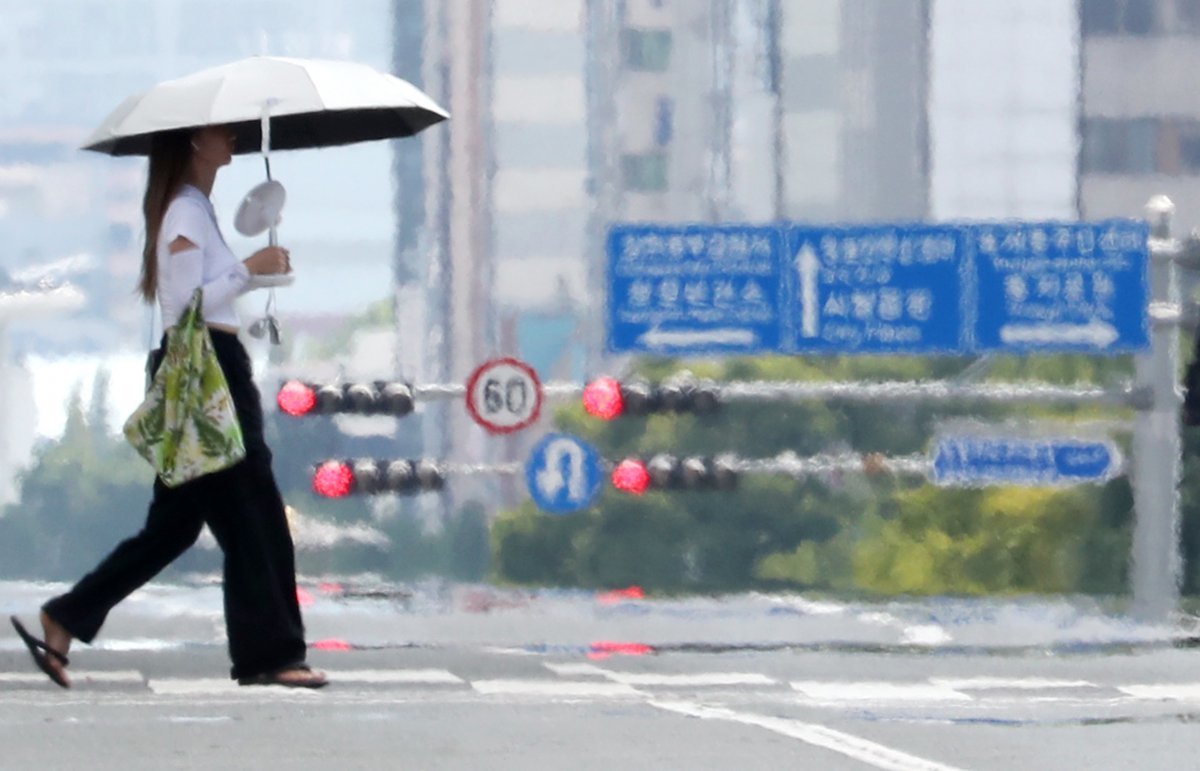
x=564, y=474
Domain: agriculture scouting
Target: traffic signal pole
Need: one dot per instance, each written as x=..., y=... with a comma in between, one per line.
x=1155, y=568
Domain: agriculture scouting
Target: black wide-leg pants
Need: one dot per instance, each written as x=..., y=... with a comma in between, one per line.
x=244, y=510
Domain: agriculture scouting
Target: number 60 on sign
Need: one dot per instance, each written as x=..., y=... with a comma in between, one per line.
x=504, y=395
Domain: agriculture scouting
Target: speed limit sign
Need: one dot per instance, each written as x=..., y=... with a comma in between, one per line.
x=504, y=395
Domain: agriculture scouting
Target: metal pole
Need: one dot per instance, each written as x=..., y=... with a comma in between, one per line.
x=1156, y=565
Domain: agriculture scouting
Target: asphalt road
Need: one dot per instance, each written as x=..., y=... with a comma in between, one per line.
x=555, y=682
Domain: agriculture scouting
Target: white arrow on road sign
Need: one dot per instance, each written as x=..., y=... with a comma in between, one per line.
x=807, y=265
x=662, y=338
x=550, y=478
x=561, y=490
x=1095, y=333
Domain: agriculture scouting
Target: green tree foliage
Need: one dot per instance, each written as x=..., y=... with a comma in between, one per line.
x=83, y=493
x=997, y=540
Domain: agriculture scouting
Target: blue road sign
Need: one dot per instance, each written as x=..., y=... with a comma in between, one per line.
x=1062, y=287
x=881, y=289
x=984, y=460
x=563, y=474
x=681, y=289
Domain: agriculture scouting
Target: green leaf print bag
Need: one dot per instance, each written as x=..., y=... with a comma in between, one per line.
x=187, y=426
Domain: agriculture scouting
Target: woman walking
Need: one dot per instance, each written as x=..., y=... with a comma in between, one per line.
x=241, y=505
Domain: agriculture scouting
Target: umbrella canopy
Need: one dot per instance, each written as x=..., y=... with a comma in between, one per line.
x=311, y=103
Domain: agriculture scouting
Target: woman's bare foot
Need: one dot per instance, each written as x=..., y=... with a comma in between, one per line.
x=59, y=639
x=302, y=677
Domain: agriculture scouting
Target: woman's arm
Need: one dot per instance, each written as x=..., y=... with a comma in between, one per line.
x=187, y=272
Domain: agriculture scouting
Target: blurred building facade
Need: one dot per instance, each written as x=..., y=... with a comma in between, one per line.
x=1004, y=102
x=569, y=115
x=1140, y=107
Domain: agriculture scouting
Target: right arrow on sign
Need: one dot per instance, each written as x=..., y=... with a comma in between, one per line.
x=1095, y=333
x=807, y=266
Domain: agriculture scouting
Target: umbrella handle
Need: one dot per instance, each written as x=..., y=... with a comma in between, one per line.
x=266, y=133
x=266, y=153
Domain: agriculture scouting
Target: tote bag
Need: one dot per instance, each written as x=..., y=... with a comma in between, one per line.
x=187, y=426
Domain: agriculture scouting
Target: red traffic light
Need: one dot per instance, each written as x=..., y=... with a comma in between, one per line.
x=602, y=398
x=333, y=479
x=631, y=476
x=296, y=398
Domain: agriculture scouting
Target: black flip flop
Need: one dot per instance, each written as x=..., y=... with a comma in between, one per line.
x=42, y=653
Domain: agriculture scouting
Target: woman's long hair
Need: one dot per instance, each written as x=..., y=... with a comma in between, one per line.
x=170, y=152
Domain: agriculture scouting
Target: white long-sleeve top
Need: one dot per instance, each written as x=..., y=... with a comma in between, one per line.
x=210, y=264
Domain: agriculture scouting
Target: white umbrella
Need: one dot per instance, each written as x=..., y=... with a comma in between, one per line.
x=310, y=102
x=272, y=103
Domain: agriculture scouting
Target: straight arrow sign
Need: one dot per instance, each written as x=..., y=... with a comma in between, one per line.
x=807, y=266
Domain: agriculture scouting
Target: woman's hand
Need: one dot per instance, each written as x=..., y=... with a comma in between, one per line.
x=272, y=259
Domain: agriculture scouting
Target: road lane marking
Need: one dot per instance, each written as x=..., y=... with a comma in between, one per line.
x=871, y=753
x=553, y=688
x=876, y=691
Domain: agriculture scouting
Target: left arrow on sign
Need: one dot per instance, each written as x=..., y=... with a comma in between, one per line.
x=665, y=338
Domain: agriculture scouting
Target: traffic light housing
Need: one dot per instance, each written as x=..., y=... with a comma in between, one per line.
x=607, y=398
x=299, y=399
x=370, y=476
x=667, y=472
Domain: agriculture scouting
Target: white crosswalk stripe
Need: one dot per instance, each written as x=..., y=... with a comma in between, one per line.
x=79, y=677
x=877, y=691
x=554, y=688
x=179, y=686
x=698, y=680
x=1008, y=683
x=395, y=676
x=1163, y=691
